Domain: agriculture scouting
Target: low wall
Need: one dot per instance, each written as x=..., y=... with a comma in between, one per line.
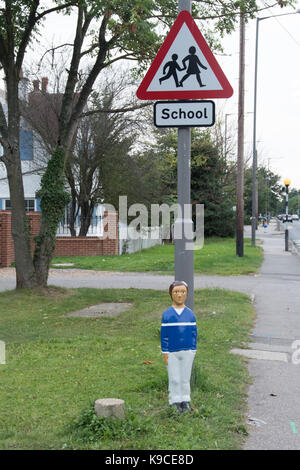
x=65, y=246
x=6, y=242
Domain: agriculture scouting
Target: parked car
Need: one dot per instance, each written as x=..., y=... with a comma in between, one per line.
x=290, y=218
x=295, y=217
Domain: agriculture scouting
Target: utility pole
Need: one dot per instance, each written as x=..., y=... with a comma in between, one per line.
x=240, y=161
x=184, y=259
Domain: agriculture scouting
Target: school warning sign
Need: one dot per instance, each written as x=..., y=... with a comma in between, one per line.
x=184, y=67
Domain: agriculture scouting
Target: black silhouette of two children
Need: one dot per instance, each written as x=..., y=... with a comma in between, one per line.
x=193, y=68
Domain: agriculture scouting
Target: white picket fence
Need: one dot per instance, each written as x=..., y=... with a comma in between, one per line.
x=130, y=242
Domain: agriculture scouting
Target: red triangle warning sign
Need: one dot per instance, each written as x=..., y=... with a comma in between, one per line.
x=184, y=67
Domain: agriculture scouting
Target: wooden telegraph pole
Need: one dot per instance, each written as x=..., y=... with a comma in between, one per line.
x=240, y=161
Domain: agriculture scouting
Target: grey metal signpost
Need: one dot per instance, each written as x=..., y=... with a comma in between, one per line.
x=184, y=259
x=184, y=113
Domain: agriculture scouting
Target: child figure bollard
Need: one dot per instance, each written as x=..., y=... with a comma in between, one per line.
x=179, y=344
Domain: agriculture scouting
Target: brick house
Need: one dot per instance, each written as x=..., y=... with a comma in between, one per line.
x=43, y=107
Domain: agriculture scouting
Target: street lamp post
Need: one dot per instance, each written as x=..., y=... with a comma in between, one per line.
x=286, y=182
x=254, y=150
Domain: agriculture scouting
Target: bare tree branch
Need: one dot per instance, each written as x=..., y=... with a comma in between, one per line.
x=52, y=49
x=125, y=56
x=72, y=74
x=58, y=8
x=97, y=67
x=27, y=34
x=117, y=110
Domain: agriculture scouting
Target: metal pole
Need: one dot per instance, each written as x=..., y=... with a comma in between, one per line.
x=254, y=163
x=184, y=259
x=240, y=162
x=286, y=235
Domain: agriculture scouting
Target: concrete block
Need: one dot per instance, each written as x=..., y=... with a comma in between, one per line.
x=110, y=408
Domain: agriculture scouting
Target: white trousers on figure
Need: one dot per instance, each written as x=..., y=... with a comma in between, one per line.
x=179, y=371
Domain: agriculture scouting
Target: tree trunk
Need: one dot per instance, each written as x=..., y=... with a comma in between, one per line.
x=72, y=218
x=85, y=218
x=25, y=274
x=73, y=211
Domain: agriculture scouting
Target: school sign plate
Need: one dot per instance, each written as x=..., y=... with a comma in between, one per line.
x=184, y=67
x=184, y=113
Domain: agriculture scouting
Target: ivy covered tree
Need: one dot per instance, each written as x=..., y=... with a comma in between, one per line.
x=106, y=31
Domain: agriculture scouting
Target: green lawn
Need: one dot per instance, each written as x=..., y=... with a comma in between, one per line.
x=56, y=367
x=217, y=257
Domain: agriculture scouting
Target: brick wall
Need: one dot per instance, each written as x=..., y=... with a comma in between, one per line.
x=65, y=246
x=110, y=242
x=7, y=254
x=6, y=242
x=92, y=246
x=78, y=246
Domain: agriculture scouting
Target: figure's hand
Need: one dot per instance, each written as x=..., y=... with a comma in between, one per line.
x=166, y=358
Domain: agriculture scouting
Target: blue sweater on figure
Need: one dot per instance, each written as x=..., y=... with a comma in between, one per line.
x=178, y=332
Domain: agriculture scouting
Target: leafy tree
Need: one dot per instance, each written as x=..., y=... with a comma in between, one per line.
x=209, y=188
x=294, y=202
x=106, y=31
x=209, y=184
x=269, y=192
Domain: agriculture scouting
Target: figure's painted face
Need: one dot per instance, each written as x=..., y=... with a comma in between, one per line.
x=179, y=294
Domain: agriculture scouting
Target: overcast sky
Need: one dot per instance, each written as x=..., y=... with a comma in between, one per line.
x=278, y=91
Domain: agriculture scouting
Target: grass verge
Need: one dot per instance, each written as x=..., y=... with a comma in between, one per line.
x=57, y=366
x=217, y=257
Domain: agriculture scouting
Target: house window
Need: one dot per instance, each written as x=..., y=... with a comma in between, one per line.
x=29, y=205
x=26, y=145
x=7, y=205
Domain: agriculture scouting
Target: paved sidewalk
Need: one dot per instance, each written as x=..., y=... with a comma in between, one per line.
x=274, y=396
x=274, y=411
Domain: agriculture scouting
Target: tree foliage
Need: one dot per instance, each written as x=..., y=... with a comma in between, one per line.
x=209, y=185
x=294, y=202
x=269, y=192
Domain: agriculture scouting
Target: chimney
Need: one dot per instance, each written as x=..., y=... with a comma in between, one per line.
x=36, y=85
x=44, y=84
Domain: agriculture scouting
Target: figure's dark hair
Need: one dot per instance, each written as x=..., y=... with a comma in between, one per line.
x=175, y=284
